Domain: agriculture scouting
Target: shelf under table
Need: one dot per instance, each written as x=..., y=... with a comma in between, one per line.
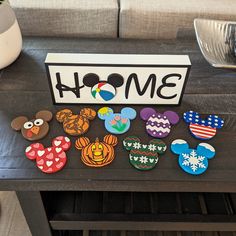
x=140, y=211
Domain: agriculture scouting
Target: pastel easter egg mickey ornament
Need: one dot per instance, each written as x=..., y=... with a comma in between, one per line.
x=52, y=159
x=117, y=123
x=143, y=156
x=203, y=129
x=193, y=161
x=158, y=125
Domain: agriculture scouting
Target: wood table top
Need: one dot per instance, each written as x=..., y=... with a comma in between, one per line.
x=24, y=90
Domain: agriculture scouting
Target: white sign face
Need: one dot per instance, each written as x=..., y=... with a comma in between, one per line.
x=117, y=78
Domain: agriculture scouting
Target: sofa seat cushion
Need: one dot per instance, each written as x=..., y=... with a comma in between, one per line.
x=168, y=19
x=83, y=18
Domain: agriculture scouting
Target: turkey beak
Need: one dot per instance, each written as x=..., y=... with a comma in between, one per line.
x=35, y=130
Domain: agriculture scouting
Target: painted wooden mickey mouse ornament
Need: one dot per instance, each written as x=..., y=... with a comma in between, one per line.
x=143, y=156
x=158, y=125
x=103, y=90
x=193, y=161
x=75, y=124
x=33, y=129
x=98, y=153
x=117, y=123
x=202, y=128
x=52, y=159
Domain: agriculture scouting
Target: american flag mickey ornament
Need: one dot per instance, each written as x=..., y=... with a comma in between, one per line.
x=203, y=129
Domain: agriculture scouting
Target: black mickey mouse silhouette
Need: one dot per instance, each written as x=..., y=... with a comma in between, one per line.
x=103, y=90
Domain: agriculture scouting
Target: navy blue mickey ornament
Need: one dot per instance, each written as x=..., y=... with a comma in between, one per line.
x=193, y=161
x=202, y=128
x=117, y=123
x=103, y=90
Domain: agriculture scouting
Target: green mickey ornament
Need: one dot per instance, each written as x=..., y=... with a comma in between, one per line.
x=143, y=156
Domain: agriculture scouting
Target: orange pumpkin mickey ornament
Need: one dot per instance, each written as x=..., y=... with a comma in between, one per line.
x=98, y=153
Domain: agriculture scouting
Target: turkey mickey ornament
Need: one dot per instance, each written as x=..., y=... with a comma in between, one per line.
x=34, y=129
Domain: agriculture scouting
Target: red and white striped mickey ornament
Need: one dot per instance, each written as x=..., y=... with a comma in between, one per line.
x=200, y=128
x=52, y=159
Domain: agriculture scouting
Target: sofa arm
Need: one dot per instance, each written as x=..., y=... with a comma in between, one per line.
x=80, y=18
x=168, y=19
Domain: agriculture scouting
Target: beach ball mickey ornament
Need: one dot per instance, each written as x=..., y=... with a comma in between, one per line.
x=103, y=90
x=193, y=161
x=203, y=129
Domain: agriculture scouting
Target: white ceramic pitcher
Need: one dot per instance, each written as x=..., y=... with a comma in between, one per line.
x=10, y=35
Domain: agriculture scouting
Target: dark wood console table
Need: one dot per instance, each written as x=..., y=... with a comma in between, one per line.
x=118, y=197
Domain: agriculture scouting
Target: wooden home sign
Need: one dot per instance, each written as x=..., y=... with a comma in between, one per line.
x=117, y=78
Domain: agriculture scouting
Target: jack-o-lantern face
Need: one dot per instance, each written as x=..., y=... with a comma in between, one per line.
x=97, y=154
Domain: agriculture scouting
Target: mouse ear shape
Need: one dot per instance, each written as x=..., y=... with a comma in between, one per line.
x=206, y=150
x=34, y=150
x=178, y=146
x=172, y=117
x=104, y=113
x=88, y=113
x=157, y=145
x=129, y=113
x=116, y=80
x=44, y=114
x=90, y=79
x=129, y=142
x=191, y=117
x=18, y=122
x=145, y=113
x=61, y=142
x=82, y=142
x=63, y=115
x=110, y=139
x=214, y=121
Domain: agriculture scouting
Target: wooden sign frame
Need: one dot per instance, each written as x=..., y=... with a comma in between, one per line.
x=96, y=78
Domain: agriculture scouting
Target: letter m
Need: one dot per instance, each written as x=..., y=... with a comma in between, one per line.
x=141, y=91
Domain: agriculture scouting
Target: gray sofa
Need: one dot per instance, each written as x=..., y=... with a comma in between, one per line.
x=146, y=19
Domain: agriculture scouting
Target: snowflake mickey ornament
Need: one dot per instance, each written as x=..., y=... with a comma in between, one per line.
x=143, y=156
x=193, y=161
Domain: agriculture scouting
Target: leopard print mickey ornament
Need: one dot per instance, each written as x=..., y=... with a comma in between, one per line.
x=75, y=124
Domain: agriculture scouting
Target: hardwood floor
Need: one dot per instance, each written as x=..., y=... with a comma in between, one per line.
x=12, y=220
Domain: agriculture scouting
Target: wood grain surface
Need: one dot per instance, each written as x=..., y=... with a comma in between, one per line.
x=24, y=90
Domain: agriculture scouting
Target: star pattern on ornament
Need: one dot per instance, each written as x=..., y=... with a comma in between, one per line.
x=152, y=147
x=137, y=145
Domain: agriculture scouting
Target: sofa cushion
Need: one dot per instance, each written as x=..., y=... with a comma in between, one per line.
x=167, y=19
x=83, y=18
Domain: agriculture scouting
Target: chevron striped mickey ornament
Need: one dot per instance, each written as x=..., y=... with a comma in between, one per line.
x=200, y=128
x=158, y=125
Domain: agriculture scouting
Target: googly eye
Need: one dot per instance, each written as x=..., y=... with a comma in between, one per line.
x=28, y=125
x=38, y=122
